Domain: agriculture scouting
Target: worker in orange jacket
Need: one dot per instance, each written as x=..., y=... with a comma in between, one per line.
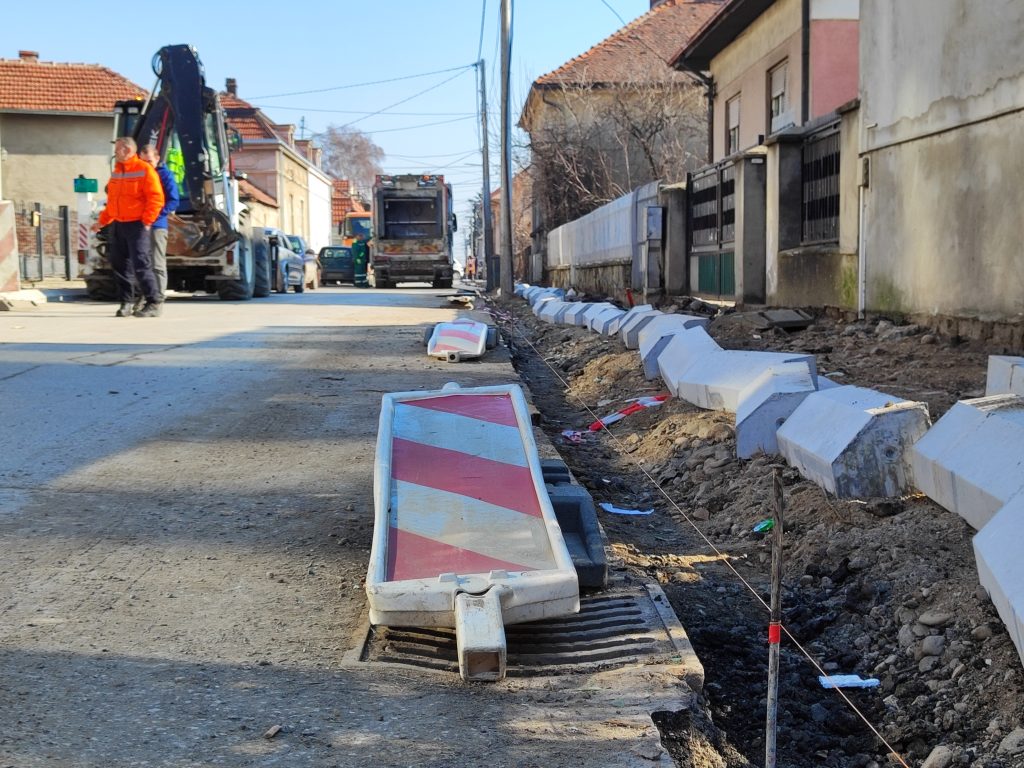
x=135, y=198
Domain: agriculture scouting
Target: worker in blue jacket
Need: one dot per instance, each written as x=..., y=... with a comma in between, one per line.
x=151, y=155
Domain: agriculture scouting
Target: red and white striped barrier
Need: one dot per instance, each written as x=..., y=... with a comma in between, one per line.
x=458, y=340
x=10, y=279
x=461, y=508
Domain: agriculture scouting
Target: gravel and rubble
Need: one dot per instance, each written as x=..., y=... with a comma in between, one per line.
x=883, y=588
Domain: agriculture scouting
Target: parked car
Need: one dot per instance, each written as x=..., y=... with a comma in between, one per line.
x=336, y=264
x=287, y=268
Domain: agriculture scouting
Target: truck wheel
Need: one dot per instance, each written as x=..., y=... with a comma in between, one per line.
x=300, y=287
x=442, y=283
x=241, y=289
x=101, y=288
x=261, y=261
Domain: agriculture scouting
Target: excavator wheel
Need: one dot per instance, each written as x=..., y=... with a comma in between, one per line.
x=242, y=289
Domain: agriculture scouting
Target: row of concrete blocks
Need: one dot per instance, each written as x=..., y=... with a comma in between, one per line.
x=972, y=463
x=851, y=441
x=854, y=442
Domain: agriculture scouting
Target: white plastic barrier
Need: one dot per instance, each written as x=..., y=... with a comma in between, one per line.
x=461, y=339
x=575, y=314
x=717, y=381
x=655, y=336
x=684, y=349
x=766, y=403
x=997, y=548
x=1005, y=375
x=460, y=507
x=629, y=330
x=603, y=320
x=854, y=442
x=972, y=461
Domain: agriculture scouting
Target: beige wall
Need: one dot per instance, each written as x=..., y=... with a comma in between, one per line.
x=742, y=68
x=293, y=201
x=943, y=132
x=46, y=152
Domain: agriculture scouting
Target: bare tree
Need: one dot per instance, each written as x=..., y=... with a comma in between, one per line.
x=599, y=143
x=351, y=154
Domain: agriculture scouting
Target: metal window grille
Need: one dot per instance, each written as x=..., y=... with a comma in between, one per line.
x=820, y=210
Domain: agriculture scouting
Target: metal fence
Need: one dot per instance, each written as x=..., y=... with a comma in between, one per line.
x=44, y=241
x=712, y=221
x=820, y=172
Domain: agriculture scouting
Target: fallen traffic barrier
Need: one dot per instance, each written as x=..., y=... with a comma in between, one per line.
x=460, y=340
x=463, y=526
x=854, y=442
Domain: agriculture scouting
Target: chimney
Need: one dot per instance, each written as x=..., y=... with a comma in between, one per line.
x=30, y=56
x=231, y=86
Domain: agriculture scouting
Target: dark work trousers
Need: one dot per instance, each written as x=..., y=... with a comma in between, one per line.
x=128, y=248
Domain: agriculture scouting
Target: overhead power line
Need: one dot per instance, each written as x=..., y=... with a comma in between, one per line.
x=361, y=85
x=364, y=112
x=410, y=98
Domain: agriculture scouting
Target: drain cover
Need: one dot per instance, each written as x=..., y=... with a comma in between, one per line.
x=613, y=628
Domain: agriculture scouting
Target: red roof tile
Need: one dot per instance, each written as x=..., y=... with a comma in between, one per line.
x=342, y=200
x=248, y=120
x=641, y=51
x=49, y=86
x=249, y=191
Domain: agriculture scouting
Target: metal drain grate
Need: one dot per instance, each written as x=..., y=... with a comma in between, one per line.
x=613, y=628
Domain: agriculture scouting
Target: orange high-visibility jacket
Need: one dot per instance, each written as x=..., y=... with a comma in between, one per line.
x=133, y=194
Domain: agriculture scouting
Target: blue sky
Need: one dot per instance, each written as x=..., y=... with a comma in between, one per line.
x=281, y=48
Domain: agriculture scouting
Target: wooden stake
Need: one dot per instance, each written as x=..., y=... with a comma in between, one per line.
x=774, y=627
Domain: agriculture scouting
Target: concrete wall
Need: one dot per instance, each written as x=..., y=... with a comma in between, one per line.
x=601, y=280
x=46, y=152
x=743, y=67
x=942, y=94
x=319, y=211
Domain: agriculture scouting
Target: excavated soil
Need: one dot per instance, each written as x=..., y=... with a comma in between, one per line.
x=883, y=588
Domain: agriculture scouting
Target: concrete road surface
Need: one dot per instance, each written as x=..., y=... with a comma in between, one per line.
x=185, y=521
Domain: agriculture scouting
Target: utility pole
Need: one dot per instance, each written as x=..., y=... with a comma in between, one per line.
x=774, y=626
x=485, y=202
x=505, y=276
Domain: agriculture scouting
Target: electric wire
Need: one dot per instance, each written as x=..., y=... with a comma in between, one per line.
x=408, y=98
x=361, y=85
x=511, y=321
x=364, y=112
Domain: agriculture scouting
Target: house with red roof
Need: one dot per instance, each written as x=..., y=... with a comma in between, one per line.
x=344, y=200
x=616, y=117
x=56, y=123
x=286, y=187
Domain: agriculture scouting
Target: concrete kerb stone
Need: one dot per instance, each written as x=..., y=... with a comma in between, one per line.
x=549, y=311
x=716, y=383
x=23, y=299
x=629, y=331
x=1005, y=375
x=1001, y=567
x=541, y=303
x=520, y=289
x=654, y=337
x=575, y=314
x=601, y=322
x=854, y=442
x=593, y=311
x=683, y=350
x=972, y=461
x=632, y=311
x=765, y=404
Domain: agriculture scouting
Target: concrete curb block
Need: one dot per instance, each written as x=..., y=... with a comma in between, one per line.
x=854, y=442
x=1005, y=375
x=25, y=299
x=630, y=313
x=603, y=321
x=542, y=302
x=972, y=461
x=629, y=330
x=550, y=311
x=682, y=350
x=717, y=382
x=1001, y=568
x=765, y=404
x=593, y=311
x=655, y=336
x=574, y=315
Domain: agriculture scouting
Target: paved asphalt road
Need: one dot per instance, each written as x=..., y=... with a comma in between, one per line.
x=185, y=517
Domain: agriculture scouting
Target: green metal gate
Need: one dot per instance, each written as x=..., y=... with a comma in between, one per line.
x=712, y=223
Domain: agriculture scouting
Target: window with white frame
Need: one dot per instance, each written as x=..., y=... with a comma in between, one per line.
x=779, y=115
x=732, y=125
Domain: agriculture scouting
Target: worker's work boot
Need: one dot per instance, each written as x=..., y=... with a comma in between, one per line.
x=151, y=309
x=125, y=310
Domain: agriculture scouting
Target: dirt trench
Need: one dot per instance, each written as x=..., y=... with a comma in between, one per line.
x=883, y=588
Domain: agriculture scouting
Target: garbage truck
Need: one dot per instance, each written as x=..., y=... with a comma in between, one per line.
x=210, y=246
x=413, y=227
